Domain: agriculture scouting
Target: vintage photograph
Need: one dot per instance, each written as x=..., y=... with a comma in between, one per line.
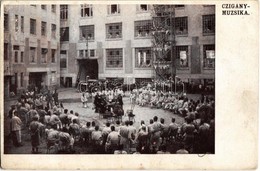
x=109, y=78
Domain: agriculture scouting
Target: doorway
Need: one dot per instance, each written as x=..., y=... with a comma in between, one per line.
x=88, y=67
x=37, y=79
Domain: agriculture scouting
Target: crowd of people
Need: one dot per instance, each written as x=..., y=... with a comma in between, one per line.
x=177, y=103
x=43, y=117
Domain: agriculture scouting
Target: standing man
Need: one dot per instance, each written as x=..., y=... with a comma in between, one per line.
x=112, y=141
x=132, y=134
x=35, y=130
x=55, y=97
x=16, y=129
x=124, y=134
x=49, y=99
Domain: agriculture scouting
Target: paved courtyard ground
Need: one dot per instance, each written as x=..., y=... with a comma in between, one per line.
x=71, y=101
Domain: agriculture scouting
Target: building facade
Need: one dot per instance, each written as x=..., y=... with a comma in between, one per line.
x=115, y=41
x=31, y=46
x=63, y=44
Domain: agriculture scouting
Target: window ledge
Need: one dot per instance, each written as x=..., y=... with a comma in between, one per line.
x=144, y=68
x=144, y=37
x=208, y=34
x=142, y=12
x=114, y=39
x=85, y=41
x=113, y=15
x=114, y=68
x=86, y=17
x=206, y=68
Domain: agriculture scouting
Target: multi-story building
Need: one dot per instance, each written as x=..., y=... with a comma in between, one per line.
x=31, y=46
x=115, y=41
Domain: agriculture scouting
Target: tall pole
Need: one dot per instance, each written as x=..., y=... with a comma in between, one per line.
x=86, y=79
x=172, y=41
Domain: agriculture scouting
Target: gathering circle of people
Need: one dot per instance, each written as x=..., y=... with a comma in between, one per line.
x=44, y=116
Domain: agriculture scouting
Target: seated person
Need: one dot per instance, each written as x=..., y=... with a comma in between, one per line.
x=153, y=100
x=66, y=141
x=52, y=137
x=74, y=128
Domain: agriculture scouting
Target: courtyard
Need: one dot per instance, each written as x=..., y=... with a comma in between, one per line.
x=71, y=101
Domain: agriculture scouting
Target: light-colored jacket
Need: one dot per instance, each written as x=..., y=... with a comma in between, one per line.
x=16, y=123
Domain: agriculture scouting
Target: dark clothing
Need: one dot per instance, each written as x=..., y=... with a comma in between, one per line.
x=120, y=100
x=35, y=127
x=55, y=97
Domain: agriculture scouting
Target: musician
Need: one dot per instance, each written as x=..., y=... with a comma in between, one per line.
x=120, y=100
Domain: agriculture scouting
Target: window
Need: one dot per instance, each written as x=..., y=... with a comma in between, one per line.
x=114, y=58
x=22, y=53
x=21, y=79
x=16, y=51
x=44, y=55
x=63, y=12
x=6, y=51
x=87, y=32
x=53, y=56
x=43, y=7
x=142, y=8
x=92, y=53
x=16, y=56
x=143, y=57
x=32, y=55
x=33, y=5
x=33, y=26
x=86, y=10
x=53, y=8
x=209, y=56
x=53, y=31
x=86, y=53
x=208, y=22
x=143, y=28
x=63, y=59
x=181, y=25
x=16, y=23
x=81, y=53
x=22, y=24
x=114, y=30
x=113, y=9
x=6, y=22
x=44, y=28
x=182, y=55
x=64, y=34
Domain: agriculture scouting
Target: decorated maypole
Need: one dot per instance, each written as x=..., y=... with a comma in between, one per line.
x=164, y=43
